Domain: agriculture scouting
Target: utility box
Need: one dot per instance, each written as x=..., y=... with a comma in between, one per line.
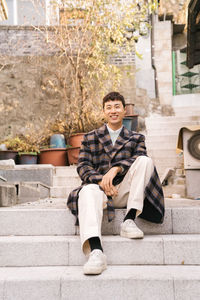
x=191, y=148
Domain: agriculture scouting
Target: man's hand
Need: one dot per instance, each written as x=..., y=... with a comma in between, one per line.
x=106, y=182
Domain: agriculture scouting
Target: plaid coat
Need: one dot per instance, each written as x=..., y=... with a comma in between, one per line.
x=98, y=155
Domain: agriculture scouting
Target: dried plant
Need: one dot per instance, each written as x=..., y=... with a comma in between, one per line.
x=22, y=143
x=28, y=142
x=84, y=38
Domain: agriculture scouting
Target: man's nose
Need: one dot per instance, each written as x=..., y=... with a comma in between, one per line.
x=113, y=109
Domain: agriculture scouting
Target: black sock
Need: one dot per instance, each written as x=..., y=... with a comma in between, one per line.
x=131, y=214
x=95, y=243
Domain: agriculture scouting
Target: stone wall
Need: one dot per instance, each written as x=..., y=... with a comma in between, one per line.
x=25, y=95
x=177, y=8
x=145, y=75
x=163, y=60
x=27, y=68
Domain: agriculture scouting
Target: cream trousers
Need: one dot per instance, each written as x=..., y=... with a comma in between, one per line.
x=92, y=200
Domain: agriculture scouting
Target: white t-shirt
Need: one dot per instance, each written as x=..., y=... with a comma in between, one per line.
x=114, y=133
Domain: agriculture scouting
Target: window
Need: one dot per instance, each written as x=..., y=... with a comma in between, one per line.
x=185, y=80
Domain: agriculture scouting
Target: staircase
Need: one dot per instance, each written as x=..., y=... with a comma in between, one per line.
x=64, y=180
x=40, y=255
x=162, y=137
x=161, y=141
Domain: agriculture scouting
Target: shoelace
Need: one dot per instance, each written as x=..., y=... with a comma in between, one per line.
x=95, y=254
x=130, y=223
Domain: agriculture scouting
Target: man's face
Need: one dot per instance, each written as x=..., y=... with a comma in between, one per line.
x=114, y=113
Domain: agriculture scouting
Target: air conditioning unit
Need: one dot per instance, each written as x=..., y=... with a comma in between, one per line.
x=191, y=151
x=191, y=147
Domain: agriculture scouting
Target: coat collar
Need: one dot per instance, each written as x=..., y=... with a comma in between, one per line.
x=105, y=140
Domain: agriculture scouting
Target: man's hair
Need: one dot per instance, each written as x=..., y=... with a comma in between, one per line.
x=113, y=96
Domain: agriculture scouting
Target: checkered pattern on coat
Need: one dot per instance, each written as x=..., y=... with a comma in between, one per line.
x=98, y=155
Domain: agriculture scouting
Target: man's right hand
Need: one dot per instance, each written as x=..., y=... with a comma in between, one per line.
x=111, y=192
x=106, y=182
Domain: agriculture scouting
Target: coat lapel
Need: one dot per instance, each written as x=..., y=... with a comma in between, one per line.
x=122, y=139
x=105, y=140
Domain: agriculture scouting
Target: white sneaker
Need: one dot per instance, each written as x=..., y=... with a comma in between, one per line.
x=130, y=230
x=96, y=263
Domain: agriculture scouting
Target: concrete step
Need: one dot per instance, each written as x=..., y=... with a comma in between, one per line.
x=66, y=181
x=163, y=153
x=117, y=282
x=166, y=131
x=171, y=125
x=185, y=99
x=161, y=142
x=168, y=163
x=163, y=126
x=166, y=145
x=160, y=139
x=162, y=165
x=178, y=189
x=159, y=158
x=171, y=119
x=36, y=221
x=24, y=251
x=66, y=171
x=165, y=158
x=168, y=157
x=187, y=111
x=61, y=191
x=33, y=173
x=181, y=217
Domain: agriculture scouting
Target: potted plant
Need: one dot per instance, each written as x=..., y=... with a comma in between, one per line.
x=23, y=149
x=91, y=119
x=53, y=142
x=28, y=150
x=11, y=146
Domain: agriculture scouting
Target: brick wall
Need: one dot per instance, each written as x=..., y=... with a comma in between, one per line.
x=123, y=59
x=24, y=41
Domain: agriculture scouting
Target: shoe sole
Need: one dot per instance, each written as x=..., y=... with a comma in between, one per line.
x=94, y=270
x=132, y=236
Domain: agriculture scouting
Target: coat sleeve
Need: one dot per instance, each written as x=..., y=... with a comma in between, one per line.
x=85, y=167
x=140, y=150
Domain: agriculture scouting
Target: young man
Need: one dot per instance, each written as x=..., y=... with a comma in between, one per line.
x=115, y=172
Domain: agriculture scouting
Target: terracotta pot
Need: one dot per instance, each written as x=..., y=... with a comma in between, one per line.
x=53, y=156
x=73, y=153
x=8, y=154
x=129, y=109
x=76, y=139
x=27, y=159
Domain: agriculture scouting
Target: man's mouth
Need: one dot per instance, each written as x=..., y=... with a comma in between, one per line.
x=114, y=117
